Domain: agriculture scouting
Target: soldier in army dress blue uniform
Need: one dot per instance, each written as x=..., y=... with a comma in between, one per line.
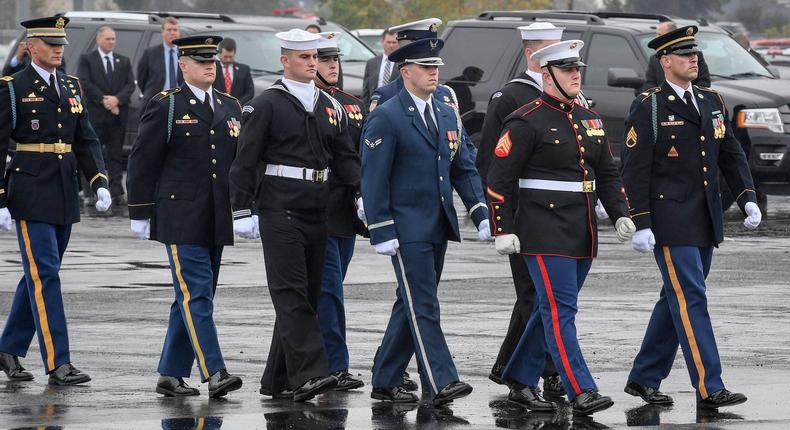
x=677, y=141
x=179, y=196
x=412, y=158
x=41, y=110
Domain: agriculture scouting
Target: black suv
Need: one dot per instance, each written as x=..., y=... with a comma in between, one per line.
x=616, y=53
x=256, y=44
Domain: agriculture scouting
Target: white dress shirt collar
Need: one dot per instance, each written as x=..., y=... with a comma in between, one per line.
x=45, y=75
x=201, y=95
x=680, y=91
x=420, y=105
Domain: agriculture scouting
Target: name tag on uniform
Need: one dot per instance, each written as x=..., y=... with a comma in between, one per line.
x=186, y=120
x=671, y=122
x=32, y=98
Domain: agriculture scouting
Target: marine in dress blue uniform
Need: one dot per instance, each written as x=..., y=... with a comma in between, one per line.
x=555, y=154
x=179, y=196
x=677, y=142
x=412, y=158
x=41, y=109
x=342, y=225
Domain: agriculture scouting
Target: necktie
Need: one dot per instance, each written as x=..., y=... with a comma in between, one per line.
x=172, y=83
x=690, y=104
x=53, y=88
x=207, y=101
x=108, y=66
x=228, y=82
x=387, y=72
x=429, y=121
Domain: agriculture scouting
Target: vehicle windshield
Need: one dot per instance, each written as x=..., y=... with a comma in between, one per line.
x=261, y=49
x=726, y=59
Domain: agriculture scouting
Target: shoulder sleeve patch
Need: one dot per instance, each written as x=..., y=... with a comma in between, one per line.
x=247, y=109
x=503, y=146
x=373, y=143
x=630, y=138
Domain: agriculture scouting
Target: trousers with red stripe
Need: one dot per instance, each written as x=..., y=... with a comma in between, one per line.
x=37, y=307
x=680, y=318
x=191, y=333
x=552, y=326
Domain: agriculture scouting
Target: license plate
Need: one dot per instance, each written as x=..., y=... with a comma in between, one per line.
x=771, y=156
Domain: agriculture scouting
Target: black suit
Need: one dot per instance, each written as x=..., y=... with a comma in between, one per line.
x=241, y=87
x=654, y=76
x=9, y=70
x=97, y=83
x=151, y=71
x=371, y=79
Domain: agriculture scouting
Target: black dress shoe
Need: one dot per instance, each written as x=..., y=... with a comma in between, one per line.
x=175, y=386
x=279, y=395
x=530, y=398
x=454, y=390
x=496, y=374
x=345, y=381
x=408, y=383
x=723, y=397
x=221, y=383
x=66, y=374
x=589, y=402
x=648, y=394
x=314, y=387
x=10, y=365
x=552, y=386
x=393, y=395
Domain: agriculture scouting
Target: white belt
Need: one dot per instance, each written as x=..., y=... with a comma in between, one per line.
x=545, y=184
x=302, y=173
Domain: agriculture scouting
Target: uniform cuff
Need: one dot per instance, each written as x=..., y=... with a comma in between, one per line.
x=642, y=220
x=141, y=210
x=382, y=231
x=242, y=213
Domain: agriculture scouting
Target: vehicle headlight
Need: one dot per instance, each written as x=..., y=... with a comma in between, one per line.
x=761, y=118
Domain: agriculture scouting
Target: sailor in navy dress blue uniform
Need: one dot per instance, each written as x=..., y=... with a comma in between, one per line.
x=343, y=224
x=412, y=158
x=678, y=141
x=555, y=153
x=179, y=196
x=41, y=110
x=293, y=133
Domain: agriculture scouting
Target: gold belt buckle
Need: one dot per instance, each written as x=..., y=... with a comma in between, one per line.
x=318, y=175
x=59, y=148
x=587, y=186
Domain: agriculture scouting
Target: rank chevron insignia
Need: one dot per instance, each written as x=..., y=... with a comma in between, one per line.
x=373, y=144
x=504, y=145
x=630, y=138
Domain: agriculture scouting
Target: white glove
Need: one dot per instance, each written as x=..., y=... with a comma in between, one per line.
x=625, y=228
x=104, y=199
x=5, y=220
x=643, y=240
x=141, y=228
x=507, y=244
x=754, y=216
x=257, y=226
x=361, y=211
x=245, y=227
x=484, y=231
x=389, y=247
x=600, y=211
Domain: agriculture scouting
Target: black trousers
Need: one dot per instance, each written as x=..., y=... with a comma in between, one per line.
x=294, y=246
x=525, y=300
x=111, y=135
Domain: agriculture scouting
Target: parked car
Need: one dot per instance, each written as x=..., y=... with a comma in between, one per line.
x=617, y=55
x=370, y=37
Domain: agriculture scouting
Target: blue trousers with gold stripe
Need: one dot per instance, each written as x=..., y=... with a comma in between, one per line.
x=331, y=310
x=552, y=326
x=38, y=304
x=191, y=332
x=414, y=325
x=680, y=317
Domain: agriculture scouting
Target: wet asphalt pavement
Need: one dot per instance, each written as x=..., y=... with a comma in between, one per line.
x=117, y=292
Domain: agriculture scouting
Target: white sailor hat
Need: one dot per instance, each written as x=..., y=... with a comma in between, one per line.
x=298, y=39
x=563, y=55
x=540, y=31
x=422, y=29
x=327, y=44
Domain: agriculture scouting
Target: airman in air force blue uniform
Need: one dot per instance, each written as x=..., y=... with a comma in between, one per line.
x=555, y=154
x=678, y=139
x=179, y=196
x=412, y=158
x=41, y=109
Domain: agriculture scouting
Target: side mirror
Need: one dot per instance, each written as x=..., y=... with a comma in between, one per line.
x=628, y=78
